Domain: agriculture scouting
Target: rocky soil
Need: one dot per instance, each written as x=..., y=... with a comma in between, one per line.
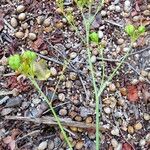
x=26, y=123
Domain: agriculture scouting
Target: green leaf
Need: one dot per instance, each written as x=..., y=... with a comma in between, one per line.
x=141, y=29
x=41, y=70
x=129, y=29
x=94, y=37
x=29, y=56
x=14, y=61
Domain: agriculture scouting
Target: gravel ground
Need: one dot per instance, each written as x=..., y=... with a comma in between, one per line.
x=25, y=120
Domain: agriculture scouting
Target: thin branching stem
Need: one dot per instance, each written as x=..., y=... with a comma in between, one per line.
x=53, y=111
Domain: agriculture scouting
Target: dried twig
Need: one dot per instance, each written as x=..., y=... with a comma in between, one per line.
x=51, y=121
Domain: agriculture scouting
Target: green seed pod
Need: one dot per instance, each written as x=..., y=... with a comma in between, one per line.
x=29, y=56
x=141, y=29
x=129, y=29
x=14, y=61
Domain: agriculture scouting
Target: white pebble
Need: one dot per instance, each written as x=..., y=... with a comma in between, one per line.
x=115, y=131
x=20, y=8
x=22, y=16
x=93, y=59
x=114, y=143
x=73, y=55
x=32, y=36
x=47, y=22
x=134, y=81
x=103, y=13
x=119, y=147
x=127, y=3
x=14, y=22
x=117, y=9
x=19, y=34
x=107, y=110
x=100, y=34
x=146, y=116
x=61, y=97
x=42, y=145
x=111, y=7
x=53, y=71
x=142, y=142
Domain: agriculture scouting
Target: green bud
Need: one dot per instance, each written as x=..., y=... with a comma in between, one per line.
x=14, y=61
x=29, y=56
x=141, y=29
x=129, y=29
x=94, y=37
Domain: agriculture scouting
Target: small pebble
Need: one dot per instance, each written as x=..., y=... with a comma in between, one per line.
x=73, y=75
x=63, y=112
x=120, y=41
x=111, y=7
x=114, y=143
x=51, y=145
x=22, y=16
x=107, y=110
x=142, y=142
x=89, y=120
x=61, y=97
x=146, y=116
x=79, y=145
x=130, y=129
x=117, y=9
x=73, y=55
x=68, y=84
x=141, y=78
x=47, y=22
x=74, y=129
x=121, y=102
x=20, y=8
x=53, y=71
x=138, y=126
x=136, y=18
x=144, y=73
x=115, y=131
x=6, y=111
x=127, y=3
x=146, y=12
x=19, y=34
x=112, y=87
x=123, y=91
x=36, y=101
x=100, y=34
x=25, y=25
x=119, y=147
x=43, y=145
x=135, y=81
x=126, y=49
x=103, y=13
x=93, y=59
x=32, y=36
x=40, y=19
x=14, y=22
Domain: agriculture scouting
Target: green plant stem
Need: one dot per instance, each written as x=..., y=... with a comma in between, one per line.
x=53, y=111
x=101, y=3
x=87, y=25
x=103, y=66
x=114, y=72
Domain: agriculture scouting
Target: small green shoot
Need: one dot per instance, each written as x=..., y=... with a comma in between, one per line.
x=134, y=32
x=94, y=37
